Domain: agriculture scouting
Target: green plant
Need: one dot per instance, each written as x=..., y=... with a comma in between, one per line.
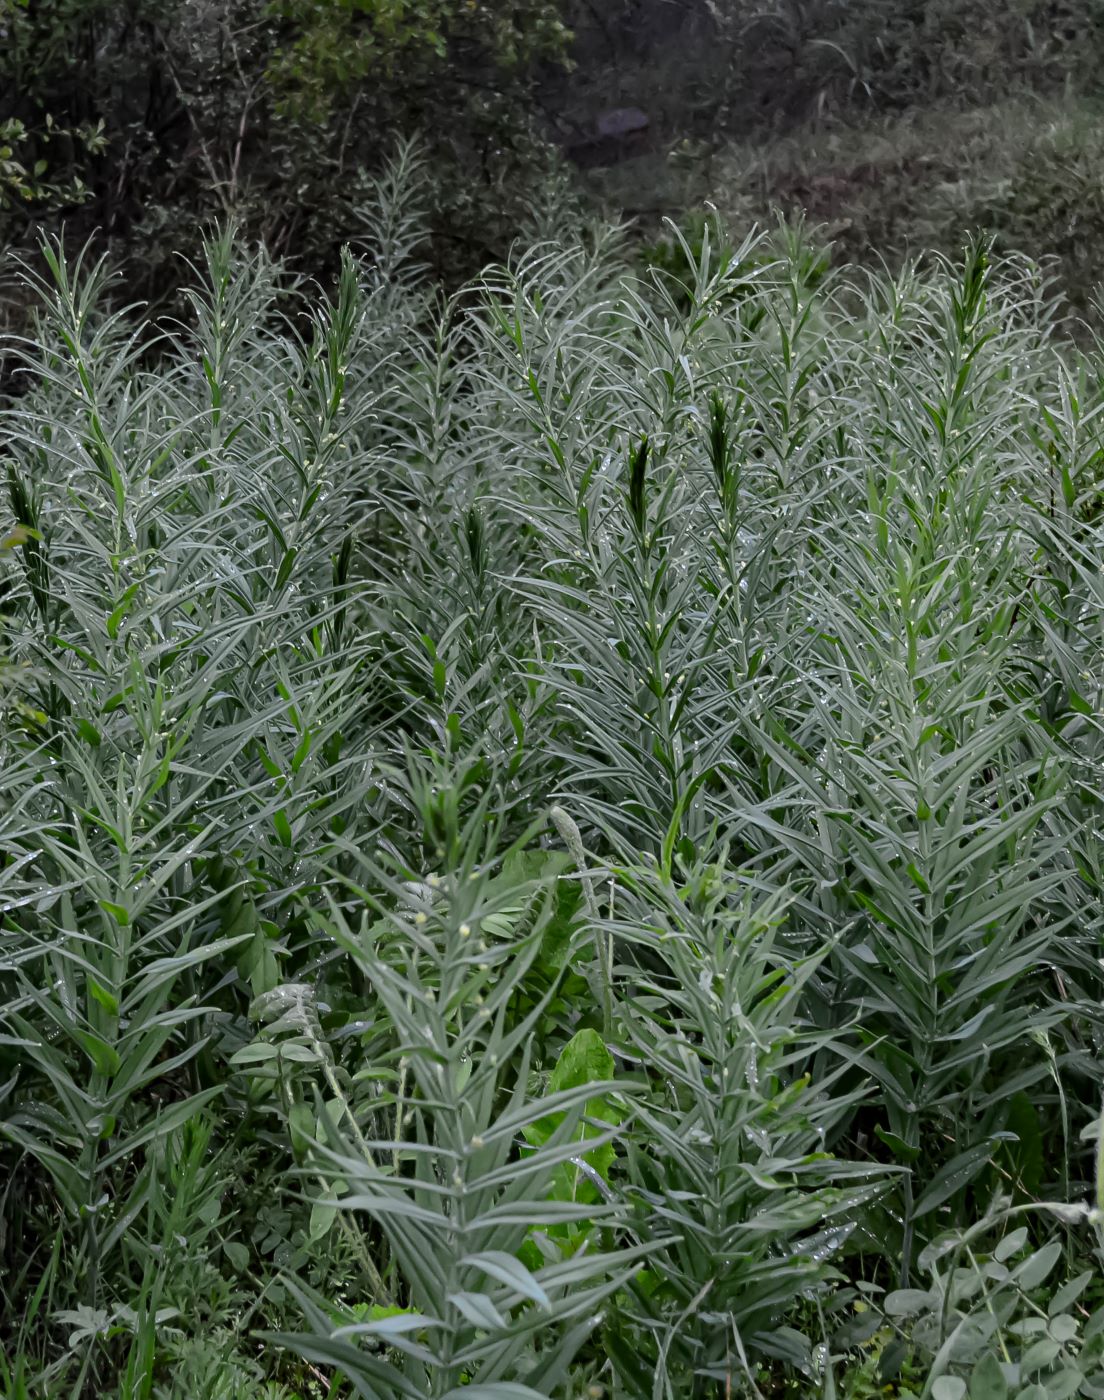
x=549, y=837
x=992, y=1321
x=727, y=1154
x=453, y=1199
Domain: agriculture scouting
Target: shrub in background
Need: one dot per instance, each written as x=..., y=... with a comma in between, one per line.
x=146, y=119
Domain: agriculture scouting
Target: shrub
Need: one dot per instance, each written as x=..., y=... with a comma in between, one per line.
x=141, y=121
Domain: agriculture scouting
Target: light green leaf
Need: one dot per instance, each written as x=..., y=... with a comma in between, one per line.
x=508, y=1270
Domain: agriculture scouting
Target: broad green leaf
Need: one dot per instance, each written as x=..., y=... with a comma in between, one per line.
x=237, y=1254
x=897, y=1145
x=1063, y=1384
x=987, y=1381
x=908, y=1302
x=1036, y=1267
x=1012, y=1243
x=89, y=733
x=104, y=1057
x=584, y=1060
x=100, y=994
x=1068, y=1294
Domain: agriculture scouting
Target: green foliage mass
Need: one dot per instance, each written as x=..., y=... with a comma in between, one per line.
x=334, y=47
x=550, y=841
x=137, y=121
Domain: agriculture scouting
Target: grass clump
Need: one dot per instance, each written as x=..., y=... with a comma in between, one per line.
x=549, y=840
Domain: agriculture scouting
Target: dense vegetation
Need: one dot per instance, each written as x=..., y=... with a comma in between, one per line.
x=901, y=123
x=136, y=120
x=550, y=839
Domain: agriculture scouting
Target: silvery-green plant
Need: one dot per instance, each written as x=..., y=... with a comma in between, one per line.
x=460, y=1186
x=727, y=1154
x=198, y=726
x=314, y=600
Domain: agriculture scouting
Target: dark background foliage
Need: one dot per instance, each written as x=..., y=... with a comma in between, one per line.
x=896, y=123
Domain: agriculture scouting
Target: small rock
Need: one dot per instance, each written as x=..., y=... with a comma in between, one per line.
x=622, y=121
